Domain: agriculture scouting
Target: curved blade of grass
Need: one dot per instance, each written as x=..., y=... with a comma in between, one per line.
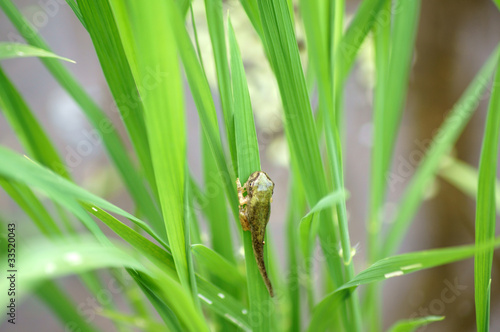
x=218, y=266
x=296, y=208
x=169, y=318
x=79, y=255
x=282, y=50
x=17, y=50
x=441, y=144
x=247, y=149
x=165, y=119
x=63, y=307
x=217, y=36
x=25, y=171
x=34, y=139
x=485, y=207
x=302, y=140
x=202, y=96
x=32, y=206
x=252, y=10
x=74, y=7
x=395, y=47
x=360, y=26
x=222, y=304
x=410, y=325
x=105, y=36
x=128, y=93
x=29, y=173
x=189, y=219
x=102, y=124
x=330, y=108
x=382, y=45
x=214, y=207
x=390, y=98
x=386, y=268
x=305, y=226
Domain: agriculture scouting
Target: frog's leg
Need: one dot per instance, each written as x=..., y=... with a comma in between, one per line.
x=243, y=205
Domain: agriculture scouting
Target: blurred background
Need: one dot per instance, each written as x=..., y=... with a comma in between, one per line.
x=454, y=39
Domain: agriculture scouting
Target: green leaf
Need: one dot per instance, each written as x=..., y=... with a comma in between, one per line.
x=32, y=206
x=247, y=149
x=218, y=38
x=31, y=134
x=214, y=206
x=16, y=50
x=360, y=26
x=485, y=207
x=307, y=230
x=164, y=113
x=103, y=30
x=203, y=99
x=410, y=325
x=128, y=94
x=222, y=304
x=103, y=127
x=218, y=266
x=252, y=10
x=440, y=146
x=387, y=268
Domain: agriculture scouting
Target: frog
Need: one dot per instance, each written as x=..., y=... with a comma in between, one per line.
x=255, y=198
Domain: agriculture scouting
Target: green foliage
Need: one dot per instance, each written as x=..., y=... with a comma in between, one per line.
x=196, y=282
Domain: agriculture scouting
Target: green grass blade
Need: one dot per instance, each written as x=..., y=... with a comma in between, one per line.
x=16, y=50
x=103, y=30
x=24, y=171
x=166, y=314
x=213, y=205
x=210, y=294
x=217, y=36
x=441, y=144
x=402, y=42
x=102, y=124
x=296, y=208
x=360, y=26
x=204, y=103
x=485, y=208
x=382, y=45
x=189, y=220
x=218, y=266
x=387, y=268
x=165, y=120
x=33, y=138
x=410, y=325
x=74, y=7
x=32, y=206
x=307, y=236
x=247, y=149
x=284, y=58
x=282, y=50
x=252, y=10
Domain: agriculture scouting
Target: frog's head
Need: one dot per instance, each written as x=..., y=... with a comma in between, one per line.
x=260, y=183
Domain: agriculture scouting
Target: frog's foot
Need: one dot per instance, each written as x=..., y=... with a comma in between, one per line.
x=243, y=205
x=243, y=219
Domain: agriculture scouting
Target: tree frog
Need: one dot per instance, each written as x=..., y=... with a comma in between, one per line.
x=255, y=198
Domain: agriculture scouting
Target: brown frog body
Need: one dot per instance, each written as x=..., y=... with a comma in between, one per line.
x=255, y=198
